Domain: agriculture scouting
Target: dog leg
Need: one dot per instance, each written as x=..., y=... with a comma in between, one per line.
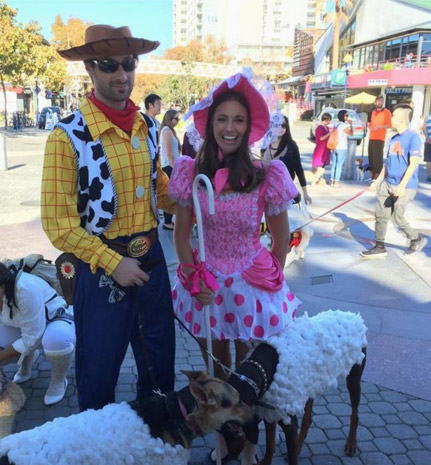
x=291, y=436
x=353, y=381
x=270, y=433
x=306, y=423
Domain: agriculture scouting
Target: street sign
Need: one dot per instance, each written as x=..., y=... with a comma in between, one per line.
x=338, y=77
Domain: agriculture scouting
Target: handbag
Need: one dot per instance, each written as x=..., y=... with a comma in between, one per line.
x=66, y=265
x=333, y=139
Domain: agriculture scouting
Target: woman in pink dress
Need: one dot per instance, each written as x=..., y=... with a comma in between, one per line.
x=321, y=154
x=249, y=299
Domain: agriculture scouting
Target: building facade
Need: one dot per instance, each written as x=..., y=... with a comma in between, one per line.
x=386, y=49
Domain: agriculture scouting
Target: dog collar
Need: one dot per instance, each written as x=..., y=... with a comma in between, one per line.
x=189, y=419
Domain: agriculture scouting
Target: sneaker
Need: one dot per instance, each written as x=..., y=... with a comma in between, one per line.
x=416, y=245
x=375, y=252
x=429, y=178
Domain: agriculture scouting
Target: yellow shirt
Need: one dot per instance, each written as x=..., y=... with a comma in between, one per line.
x=130, y=168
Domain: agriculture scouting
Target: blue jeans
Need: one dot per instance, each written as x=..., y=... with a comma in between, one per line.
x=107, y=321
x=337, y=161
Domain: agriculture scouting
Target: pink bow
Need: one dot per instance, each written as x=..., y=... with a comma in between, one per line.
x=220, y=181
x=198, y=275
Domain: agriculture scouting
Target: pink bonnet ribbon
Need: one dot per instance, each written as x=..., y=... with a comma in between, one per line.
x=199, y=274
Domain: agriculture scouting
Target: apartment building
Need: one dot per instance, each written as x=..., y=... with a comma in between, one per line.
x=255, y=31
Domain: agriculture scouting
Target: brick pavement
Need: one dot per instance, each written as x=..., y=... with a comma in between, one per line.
x=395, y=428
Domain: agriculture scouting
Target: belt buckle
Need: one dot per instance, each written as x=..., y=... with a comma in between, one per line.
x=138, y=246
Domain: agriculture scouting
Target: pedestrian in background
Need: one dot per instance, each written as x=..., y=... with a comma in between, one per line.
x=153, y=107
x=101, y=186
x=380, y=122
x=399, y=183
x=170, y=150
x=338, y=156
x=285, y=149
x=321, y=153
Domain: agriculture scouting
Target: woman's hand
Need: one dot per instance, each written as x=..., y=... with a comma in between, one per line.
x=307, y=199
x=205, y=297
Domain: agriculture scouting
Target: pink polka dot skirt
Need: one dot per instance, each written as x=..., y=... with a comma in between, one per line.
x=238, y=310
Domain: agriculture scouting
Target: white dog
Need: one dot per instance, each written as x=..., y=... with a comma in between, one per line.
x=300, y=235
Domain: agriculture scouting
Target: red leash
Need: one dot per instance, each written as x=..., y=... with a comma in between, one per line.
x=334, y=208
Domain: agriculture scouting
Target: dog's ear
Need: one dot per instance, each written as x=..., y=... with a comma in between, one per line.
x=199, y=392
x=195, y=375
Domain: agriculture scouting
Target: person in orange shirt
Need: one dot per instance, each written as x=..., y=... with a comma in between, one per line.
x=102, y=184
x=380, y=122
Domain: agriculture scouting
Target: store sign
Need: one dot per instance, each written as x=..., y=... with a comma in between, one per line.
x=399, y=90
x=377, y=82
x=338, y=77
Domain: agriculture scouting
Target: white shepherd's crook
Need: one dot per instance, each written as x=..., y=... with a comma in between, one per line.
x=210, y=192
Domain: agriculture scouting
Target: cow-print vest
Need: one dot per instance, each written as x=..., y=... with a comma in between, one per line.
x=97, y=199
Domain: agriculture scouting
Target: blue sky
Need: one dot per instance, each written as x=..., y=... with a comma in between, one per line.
x=150, y=19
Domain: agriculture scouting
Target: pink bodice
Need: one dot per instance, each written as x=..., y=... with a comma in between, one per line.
x=231, y=235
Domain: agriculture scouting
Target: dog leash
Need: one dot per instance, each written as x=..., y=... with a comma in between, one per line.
x=332, y=209
x=225, y=369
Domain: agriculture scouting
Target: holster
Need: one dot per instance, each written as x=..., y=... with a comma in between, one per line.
x=66, y=265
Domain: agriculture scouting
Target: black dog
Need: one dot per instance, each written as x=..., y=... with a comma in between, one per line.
x=260, y=367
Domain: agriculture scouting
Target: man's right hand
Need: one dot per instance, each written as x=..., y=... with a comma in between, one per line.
x=129, y=274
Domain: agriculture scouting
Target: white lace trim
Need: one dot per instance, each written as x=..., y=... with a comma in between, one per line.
x=272, y=209
x=275, y=122
x=194, y=138
x=182, y=202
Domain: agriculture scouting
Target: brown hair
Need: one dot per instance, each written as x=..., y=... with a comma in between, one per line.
x=167, y=121
x=243, y=176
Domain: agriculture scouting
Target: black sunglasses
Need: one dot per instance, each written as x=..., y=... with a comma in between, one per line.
x=175, y=117
x=106, y=65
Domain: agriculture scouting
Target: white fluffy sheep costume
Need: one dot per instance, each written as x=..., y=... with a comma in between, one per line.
x=313, y=352
x=87, y=439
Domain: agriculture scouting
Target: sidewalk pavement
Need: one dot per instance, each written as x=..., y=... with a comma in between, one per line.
x=393, y=296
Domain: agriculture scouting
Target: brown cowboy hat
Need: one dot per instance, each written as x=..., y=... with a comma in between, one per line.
x=103, y=41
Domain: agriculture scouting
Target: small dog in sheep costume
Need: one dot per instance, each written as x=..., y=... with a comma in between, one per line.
x=151, y=431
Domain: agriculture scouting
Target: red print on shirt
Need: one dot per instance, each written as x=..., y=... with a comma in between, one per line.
x=396, y=149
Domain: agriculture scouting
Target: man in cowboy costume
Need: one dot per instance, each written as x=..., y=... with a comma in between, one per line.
x=101, y=187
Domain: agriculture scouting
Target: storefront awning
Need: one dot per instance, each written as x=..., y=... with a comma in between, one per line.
x=290, y=81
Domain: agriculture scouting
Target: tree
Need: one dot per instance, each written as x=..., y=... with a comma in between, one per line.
x=144, y=85
x=69, y=34
x=22, y=50
x=184, y=89
x=335, y=12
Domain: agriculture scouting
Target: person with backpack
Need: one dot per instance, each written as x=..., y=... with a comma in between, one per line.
x=338, y=155
x=32, y=313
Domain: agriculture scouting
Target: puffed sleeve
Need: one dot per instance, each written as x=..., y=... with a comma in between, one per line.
x=279, y=190
x=181, y=181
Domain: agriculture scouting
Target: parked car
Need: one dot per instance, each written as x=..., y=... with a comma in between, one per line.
x=43, y=114
x=359, y=127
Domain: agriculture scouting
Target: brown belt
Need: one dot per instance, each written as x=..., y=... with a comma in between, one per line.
x=135, y=248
